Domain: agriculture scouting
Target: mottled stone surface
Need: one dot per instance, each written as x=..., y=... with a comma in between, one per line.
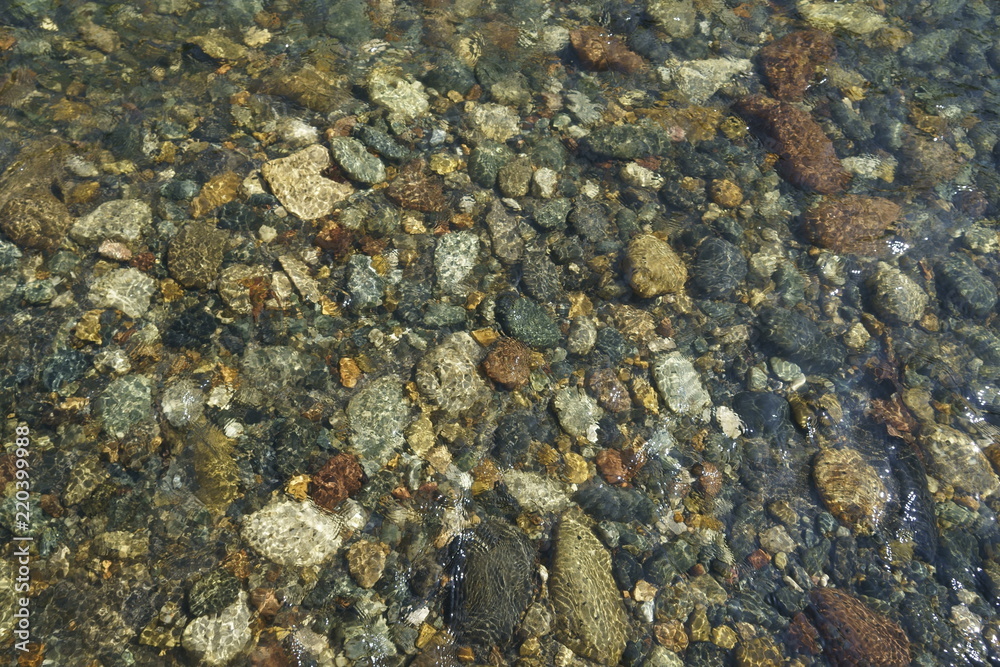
x=653, y=268
x=243, y=287
x=895, y=296
x=124, y=220
x=292, y=533
x=195, y=254
x=496, y=564
x=850, y=488
x=299, y=185
x=339, y=477
x=508, y=362
x=447, y=374
x=789, y=64
x=590, y=616
x=806, y=155
x=128, y=290
x=414, y=188
x=955, y=458
x=366, y=562
x=599, y=50
x=853, y=634
x=851, y=223
x=216, y=639
x=39, y=221
x=377, y=416
x=679, y=384
x=357, y=163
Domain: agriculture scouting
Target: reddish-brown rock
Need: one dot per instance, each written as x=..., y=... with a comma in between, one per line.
x=610, y=392
x=337, y=480
x=851, y=223
x=806, y=156
x=508, y=363
x=599, y=50
x=414, y=188
x=789, y=63
x=708, y=478
x=853, y=634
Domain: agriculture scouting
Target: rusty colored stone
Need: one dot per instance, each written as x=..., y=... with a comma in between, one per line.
x=508, y=363
x=600, y=51
x=803, y=635
x=337, y=480
x=759, y=559
x=415, y=189
x=725, y=193
x=265, y=601
x=609, y=464
x=610, y=392
x=853, y=634
x=219, y=190
x=789, y=63
x=926, y=161
x=671, y=634
x=338, y=240
x=851, y=223
x=805, y=154
x=708, y=478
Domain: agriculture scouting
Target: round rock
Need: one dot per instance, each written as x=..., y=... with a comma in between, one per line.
x=653, y=268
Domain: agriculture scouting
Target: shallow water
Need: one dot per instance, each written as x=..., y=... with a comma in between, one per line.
x=499, y=332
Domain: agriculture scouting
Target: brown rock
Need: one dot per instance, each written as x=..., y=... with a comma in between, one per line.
x=708, y=478
x=35, y=220
x=334, y=482
x=850, y=488
x=725, y=193
x=653, y=268
x=219, y=190
x=610, y=392
x=925, y=162
x=415, y=189
x=759, y=652
x=195, y=254
x=851, y=223
x=600, y=51
x=508, y=363
x=366, y=562
x=609, y=464
x=672, y=635
x=789, y=63
x=806, y=156
x=853, y=634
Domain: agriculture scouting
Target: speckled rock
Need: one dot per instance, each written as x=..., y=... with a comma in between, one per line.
x=243, y=287
x=414, y=188
x=590, y=616
x=653, y=268
x=128, y=290
x=216, y=639
x=404, y=99
x=364, y=284
x=182, y=402
x=851, y=223
x=514, y=178
x=494, y=122
x=125, y=402
x=336, y=481
x=796, y=337
x=897, y=298
x=377, y=416
x=806, y=155
x=486, y=161
x=850, y=488
x=505, y=233
x=963, y=286
x=357, y=163
x=124, y=220
x=578, y=413
x=789, y=64
x=599, y=50
x=955, y=458
x=508, y=362
x=610, y=392
x=454, y=258
x=447, y=374
x=366, y=562
x=292, y=533
x=926, y=161
x=212, y=593
x=299, y=185
x=552, y=214
x=719, y=268
x=39, y=221
x=853, y=634
x=497, y=564
x=527, y=321
x=679, y=384
x=195, y=254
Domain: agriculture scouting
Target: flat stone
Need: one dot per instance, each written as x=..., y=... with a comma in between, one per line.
x=356, y=161
x=679, y=384
x=293, y=533
x=124, y=220
x=299, y=185
x=128, y=290
x=216, y=639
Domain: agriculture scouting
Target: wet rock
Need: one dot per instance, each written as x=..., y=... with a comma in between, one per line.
x=926, y=162
x=955, y=458
x=675, y=17
x=514, y=177
x=216, y=639
x=806, y=155
x=377, y=416
x=183, y=402
x=653, y=268
x=850, y=488
x=578, y=413
x=789, y=64
x=338, y=479
x=851, y=223
x=299, y=185
x=796, y=337
x=609, y=391
x=125, y=402
x=719, y=268
x=308, y=86
x=964, y=287
x=355, y=161
x=364, y=284
x=726, y=193
x=414, y=188
x=629, y=142
x=494, y=565
x=124, y=220
x=552, y=214
x=128, y=290
x=590, y=617
x=541, y=278
x=853, y=634
x=486, y=161
x=494, y=122
x=527, y=321
x=404, y=99
x=759, y=652
x=292, y=533
x=380, y=142
x=509, y=363
x=39, y=221
x=679, y=384
x=897, y=298
x=599, y=50
x=508, y=246
x=366, y=562
x=708, y=478
x=590, y=220
x=212, y=593
x=195, y=254
x=193, y=329
x=447, y=375
x=63, y=367
x=455, y=257
x=243, y=287
x=699, y=80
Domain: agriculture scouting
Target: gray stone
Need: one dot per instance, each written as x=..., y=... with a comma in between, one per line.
x=964, y=287
x=956, y=459
x=357, y=162
x=364, y=284
x=486, y=161
x=454, y=258
x=698, y=80
x=675, y=17
x=217, y=639
x=494, y=122
x=582, y=335
x=514, y=177
x=897, y=298
x=388, y=88
x=128, y=290
x=679, y=384
x=552, y=214
x=125, y=402
x=212, y=593
x=183, y=402
x=293, y=533
x=528, y=322
x=377, y=416
x=124, y=220
x=448, y=375
x=508, y=246
x=578, y=413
